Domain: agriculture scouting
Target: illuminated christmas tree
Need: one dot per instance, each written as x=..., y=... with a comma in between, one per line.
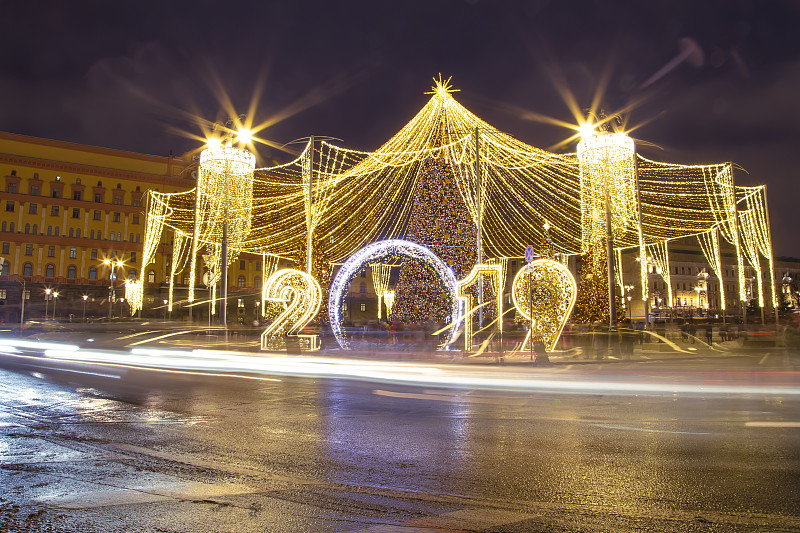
x=440, y=221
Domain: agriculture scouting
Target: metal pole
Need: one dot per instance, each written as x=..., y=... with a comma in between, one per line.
x=771, y=267
x=22, y=309
x=530, y=310
x=84, y=310
x=479, y=223
x=55, y=298
x=46, y=302
x=612, y=302
x=223, y=305
x=308, y=209
x=110, y=289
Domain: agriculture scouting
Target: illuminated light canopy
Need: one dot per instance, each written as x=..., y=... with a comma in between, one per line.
x=554, y=294
x=373, y=254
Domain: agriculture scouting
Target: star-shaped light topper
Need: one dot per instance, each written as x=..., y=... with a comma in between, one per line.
x=442, y=87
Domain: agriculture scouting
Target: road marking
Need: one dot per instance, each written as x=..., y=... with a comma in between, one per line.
x=773, y=424
x=648, y=430
x=764, y=358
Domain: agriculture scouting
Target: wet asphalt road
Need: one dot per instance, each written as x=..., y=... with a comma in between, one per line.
x=134, y=450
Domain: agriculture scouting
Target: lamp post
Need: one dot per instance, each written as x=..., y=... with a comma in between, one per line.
x=165, y=309
x=84, y=297
x=113, y=265
x=55, y=297
x=47, y=292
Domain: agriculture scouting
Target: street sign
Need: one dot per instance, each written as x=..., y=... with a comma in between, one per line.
x=529, y=254
x=529, y=268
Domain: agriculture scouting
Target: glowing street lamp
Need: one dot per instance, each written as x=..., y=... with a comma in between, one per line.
x=46, y=300
x=113, y=265
x=85, y=297
x=55, y=297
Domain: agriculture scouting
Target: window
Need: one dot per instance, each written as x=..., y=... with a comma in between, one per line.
x=241, y=264
x=49, y=230
x=56, y=193
x=53, y=210
x=132, y=274
x=119, y=236
x=51, y=251
x=50, y=271
x=112, y=236
x=34, y=190
x=138, y=237
x=28, y=249
x=362, y=288
x=71, y=232
x=364, y=273
x=240, y=281
x=92, y=273
x=58, y=230
x=135, y=219
x=98, y=197
x=2, y=294
x=94, y=254
x=137, y=202
x=91, y=234
x=6, y=247
x=97, y=215
x=4, y=269
x=117, y=200
x=76, y=195
x=240, y=303
x=363, y=307
x=73, y=253
x=72, y=272
x=76, y=212
x=10, y=206
x=115, y=217
x=151, y=277
x=133, y=257
x=257, y=282
x=11, y=227
x=78, y=233
x=99, y=234
x=131, y=239
x=27, y=269
x=33, y=209
x=344, y=306
x=3, y=226
x=27, y=228
x=12, y=187
x=35, y=229
x=258, y=265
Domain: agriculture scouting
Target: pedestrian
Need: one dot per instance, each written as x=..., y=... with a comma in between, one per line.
x=692, y=331
x=393, y=333
x=709, y=334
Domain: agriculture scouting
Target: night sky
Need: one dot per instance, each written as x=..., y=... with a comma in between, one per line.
x=128, y=75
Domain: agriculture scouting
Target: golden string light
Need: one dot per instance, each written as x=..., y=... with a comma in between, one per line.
x=134, y=291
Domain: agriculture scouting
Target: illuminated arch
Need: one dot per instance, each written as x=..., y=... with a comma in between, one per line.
x=374, y=253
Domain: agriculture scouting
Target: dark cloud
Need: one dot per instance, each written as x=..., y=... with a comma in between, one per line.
x=126, y=75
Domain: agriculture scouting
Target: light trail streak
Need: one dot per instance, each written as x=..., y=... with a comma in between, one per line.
x=252, y=366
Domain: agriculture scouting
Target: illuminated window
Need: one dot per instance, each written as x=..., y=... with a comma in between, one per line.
x=240, y=281
x=240, y=303
x=2, y=294
x=257, y=282
x=151, y=277
x=363, y=307
x=73, y=253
